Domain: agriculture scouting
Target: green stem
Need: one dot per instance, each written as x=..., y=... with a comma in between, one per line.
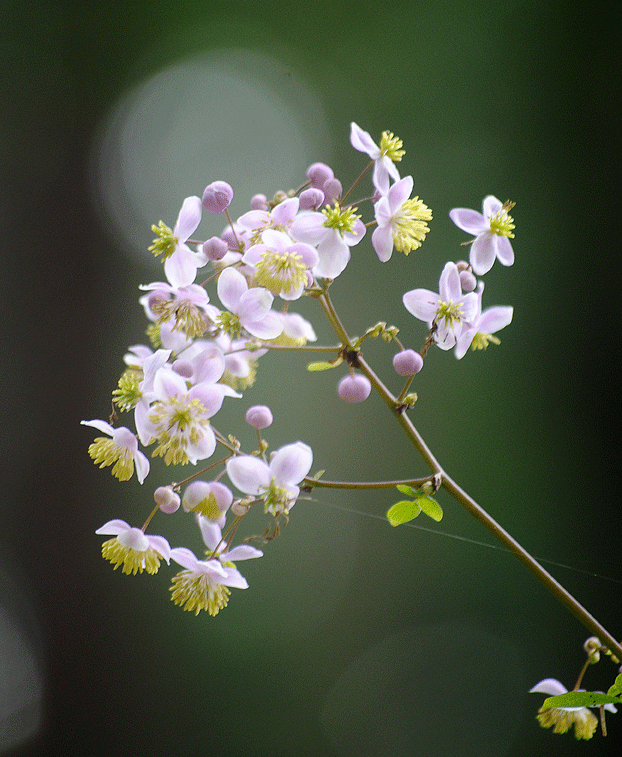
x=320, y=482
x=575, y=607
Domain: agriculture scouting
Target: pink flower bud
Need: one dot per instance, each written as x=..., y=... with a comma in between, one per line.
x=217, y=196
x=332, y=189
x=259, y=202
x=167, y=499
x=354, y=388
x=311, y=199
x=319, y=173
x=407, y=363
x=215, y=248
x=259, y=416
x=468, y=282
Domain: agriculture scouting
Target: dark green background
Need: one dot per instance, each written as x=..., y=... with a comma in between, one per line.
x=354, y=638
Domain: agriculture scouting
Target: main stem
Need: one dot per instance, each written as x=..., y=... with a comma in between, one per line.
x=508, y=541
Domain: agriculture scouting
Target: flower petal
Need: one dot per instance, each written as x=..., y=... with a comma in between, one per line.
x=188, y=219
x=469, y=220
x=291, y=463
x=248, y=474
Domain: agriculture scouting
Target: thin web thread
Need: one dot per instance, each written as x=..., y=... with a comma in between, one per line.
x=466, y=539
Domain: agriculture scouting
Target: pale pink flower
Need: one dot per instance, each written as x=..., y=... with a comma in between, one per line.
x=492, y=229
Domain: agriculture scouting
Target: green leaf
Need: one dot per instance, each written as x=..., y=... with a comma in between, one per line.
x=324, y=365
x=616, y=689
x=580, y=699
x=431, y=508
x=408, y=490
x=402, y=512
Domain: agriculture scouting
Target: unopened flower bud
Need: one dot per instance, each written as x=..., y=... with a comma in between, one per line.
x=593, y=646
x=168, y=500
x=332, y=189
x=215, y=248
x=259, y=202
x=240, y=508
x=183, y=368
x=217, y=197
x=468, y=282
x=311, y=199
x=319, y=174
x=354, y=388
x=259, y=416
x=407, y=363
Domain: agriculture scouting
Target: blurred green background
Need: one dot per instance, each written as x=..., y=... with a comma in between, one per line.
x=354, y=638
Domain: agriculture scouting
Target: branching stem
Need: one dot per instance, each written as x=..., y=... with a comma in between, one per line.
x=508, y=541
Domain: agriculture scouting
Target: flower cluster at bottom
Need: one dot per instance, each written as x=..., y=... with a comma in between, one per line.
x=205, y=584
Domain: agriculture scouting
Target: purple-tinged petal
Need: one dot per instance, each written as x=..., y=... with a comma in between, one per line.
x=285, y=212
x=210, y=531
x=469, y=309
x=209, y=365
x=469, y=220
x=505, y=253
x=362, y=141
x=181, y=267
x=249, y=474
x=189, y=218
x=203, y=448
x=490, y=207
x=400, y=192
x=449, y=286
x=168, y=384
x=334, y=256
x=142, y=466
x=186, y=558
x=382, y=242
x=243, y=552
x=291, y=463
x=233, y=578
x=113, y=527
x=269, y=327
x=309, y=228
x=495, y=319
x=422, y=303
x=483, y=253
x=464, y=342
x=254, y=305
x=358, y=232
x=231, y=286
x=102, y=426
x=550, y=686
x=161, y=546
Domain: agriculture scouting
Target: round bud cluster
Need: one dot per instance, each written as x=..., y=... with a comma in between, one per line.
x=354, y=388
x=407, y=363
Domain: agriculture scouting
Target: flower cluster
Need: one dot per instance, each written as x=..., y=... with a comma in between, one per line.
x=224, y=303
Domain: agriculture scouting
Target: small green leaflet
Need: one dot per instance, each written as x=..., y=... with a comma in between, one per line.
x=407, y=509
x=581, y=699
x=324, y=365
x=616, y=689
x=402, y=512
